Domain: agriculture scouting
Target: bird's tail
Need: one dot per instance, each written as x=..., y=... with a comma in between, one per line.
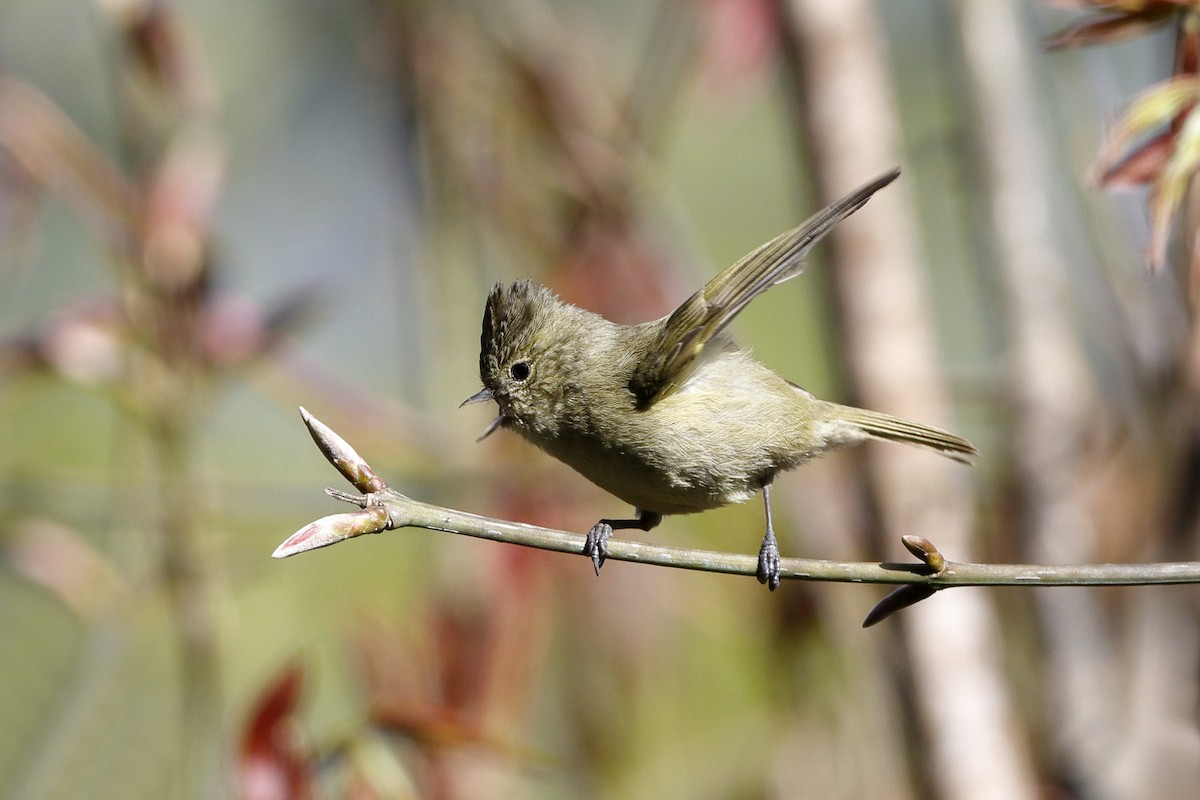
x=894, y=429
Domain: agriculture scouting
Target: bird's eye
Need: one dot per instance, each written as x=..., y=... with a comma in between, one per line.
x=519, y=371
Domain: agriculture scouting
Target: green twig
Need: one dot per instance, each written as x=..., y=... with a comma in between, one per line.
x=383, y=508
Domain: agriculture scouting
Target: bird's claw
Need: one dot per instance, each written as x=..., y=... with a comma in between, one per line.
x=768, y=571
x=596, y=544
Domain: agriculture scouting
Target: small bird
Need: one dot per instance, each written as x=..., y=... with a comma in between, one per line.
x=672, y=416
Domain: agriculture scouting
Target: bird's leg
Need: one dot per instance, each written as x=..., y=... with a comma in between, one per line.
x=768, y=553
x=596, y=544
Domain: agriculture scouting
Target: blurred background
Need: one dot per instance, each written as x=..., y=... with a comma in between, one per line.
x=213, y=212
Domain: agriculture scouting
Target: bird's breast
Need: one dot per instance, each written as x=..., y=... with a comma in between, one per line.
x=715, y=441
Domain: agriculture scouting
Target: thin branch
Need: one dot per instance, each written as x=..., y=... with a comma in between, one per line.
x=405, y=512
x=384, y=509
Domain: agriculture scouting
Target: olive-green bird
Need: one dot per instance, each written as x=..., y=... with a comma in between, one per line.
x=672, y=416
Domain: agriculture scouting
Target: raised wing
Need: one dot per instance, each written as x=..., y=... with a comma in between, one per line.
x=705, y=314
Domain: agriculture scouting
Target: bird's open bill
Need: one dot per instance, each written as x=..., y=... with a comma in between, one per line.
x=482, y=396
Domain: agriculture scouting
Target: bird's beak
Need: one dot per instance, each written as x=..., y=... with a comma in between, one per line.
x=482, y=396
x=496, y=423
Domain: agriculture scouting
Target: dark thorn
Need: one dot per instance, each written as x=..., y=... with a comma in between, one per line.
x=899, y=598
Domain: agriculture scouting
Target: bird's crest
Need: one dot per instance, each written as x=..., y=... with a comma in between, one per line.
x=510, y=320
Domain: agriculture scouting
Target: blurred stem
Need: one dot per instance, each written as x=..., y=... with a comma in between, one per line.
x=849, y=119
x=189, y=597
x=168, y=379
x=1055, y=406
x=164, y=302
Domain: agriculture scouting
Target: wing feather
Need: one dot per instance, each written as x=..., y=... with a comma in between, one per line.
x=704, y=315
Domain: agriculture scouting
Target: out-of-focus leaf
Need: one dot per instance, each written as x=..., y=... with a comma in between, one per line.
x=432, y=691
x=1170, y=188
x=162, y=44
x=57, y=559
x=1165, y=117
x=1187, y=45
x=1120, y=6
x=1160, y=103
x=1116, y=28
x=376, y=772
x=82, y=344
x=740, y=41
x=236, y=331
x=1141, y=166
x=274, y=761
x=1158, y=107
x=51, y=148
x=179, y=206
x=19, y=194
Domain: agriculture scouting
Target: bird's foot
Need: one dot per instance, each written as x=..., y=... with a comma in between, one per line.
x=768, y=571
x=596, y=544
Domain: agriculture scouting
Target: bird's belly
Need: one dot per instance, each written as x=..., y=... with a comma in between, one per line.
x=715, y=441
x=664, y=480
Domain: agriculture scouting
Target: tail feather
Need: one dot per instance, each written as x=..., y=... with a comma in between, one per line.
x=895, y=429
